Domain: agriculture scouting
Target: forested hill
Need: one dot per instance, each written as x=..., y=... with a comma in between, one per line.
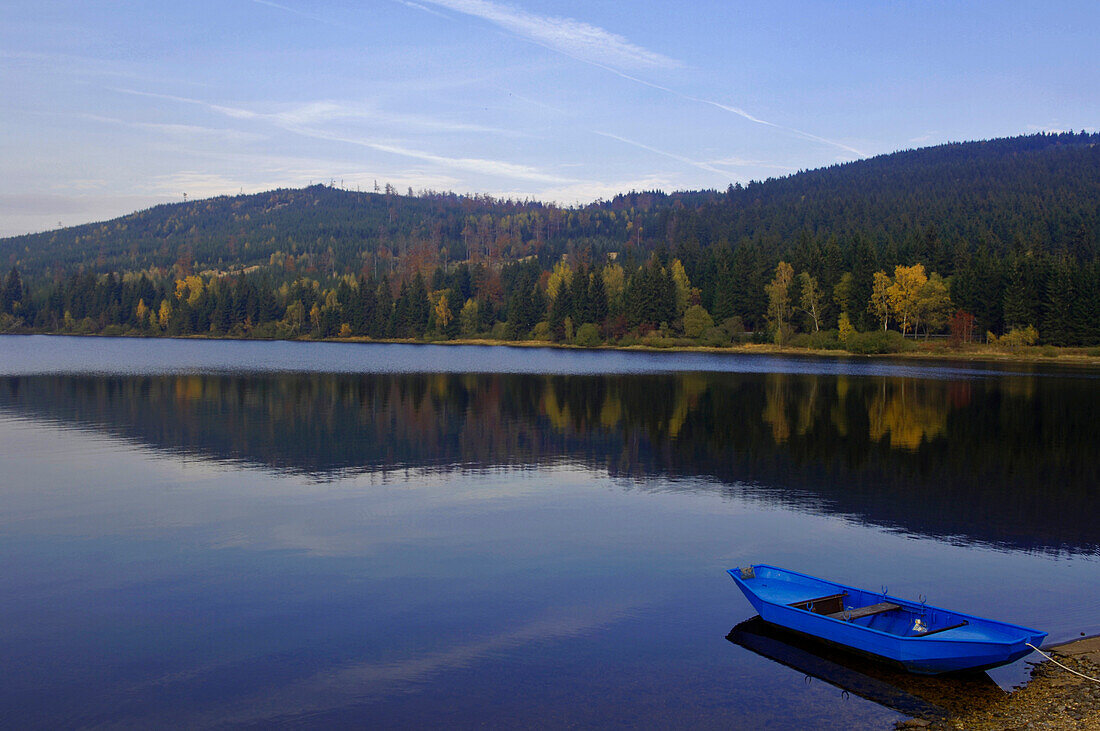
x=1032, y=193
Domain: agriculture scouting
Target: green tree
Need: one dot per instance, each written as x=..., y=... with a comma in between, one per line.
x=588, y=335
x=696, y=321
x=842, y=293
x=470, y=318
x=11, y=294
x=779, y=301
x=934, y=305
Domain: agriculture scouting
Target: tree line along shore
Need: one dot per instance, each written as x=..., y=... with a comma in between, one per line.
x=828, y=297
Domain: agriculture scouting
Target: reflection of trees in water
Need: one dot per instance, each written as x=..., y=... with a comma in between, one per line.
x=787, y=404
x=902, y=412
x=1004, y=460
x=908, y=412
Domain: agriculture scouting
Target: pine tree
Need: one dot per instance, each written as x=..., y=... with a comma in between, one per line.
x=582, y=308
x=597, y=299
x=1058, y=324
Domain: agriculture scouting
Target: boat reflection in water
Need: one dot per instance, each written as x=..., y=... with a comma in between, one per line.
x=922, y=696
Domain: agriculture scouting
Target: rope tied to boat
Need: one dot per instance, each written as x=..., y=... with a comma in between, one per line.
x=1064, y=667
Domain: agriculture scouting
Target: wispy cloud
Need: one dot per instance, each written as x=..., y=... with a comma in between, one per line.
x=302, y=13
x=328, y=111
x=425, y=8
x=480, y=166
x=740, y=162
x=588, y=44
x=186, y=131
x=611, y=52
x=572, y=37
x=322, y=112
x=292, y=121
x=740, y=113
x=665, y=153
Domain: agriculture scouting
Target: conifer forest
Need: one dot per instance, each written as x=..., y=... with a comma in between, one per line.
x=995, y=241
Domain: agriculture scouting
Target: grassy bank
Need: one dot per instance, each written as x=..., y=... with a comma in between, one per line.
x=909, y=349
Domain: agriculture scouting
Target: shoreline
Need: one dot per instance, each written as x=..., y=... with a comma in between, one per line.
x=1053, y=698
x=923, y=351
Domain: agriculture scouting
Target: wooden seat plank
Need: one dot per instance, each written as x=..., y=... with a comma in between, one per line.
x=865, y=611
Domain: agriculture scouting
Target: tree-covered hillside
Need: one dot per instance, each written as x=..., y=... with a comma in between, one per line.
x=1000, y=237
x=1039, y=192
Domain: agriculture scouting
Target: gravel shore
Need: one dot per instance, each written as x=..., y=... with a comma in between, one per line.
x=1052, y=699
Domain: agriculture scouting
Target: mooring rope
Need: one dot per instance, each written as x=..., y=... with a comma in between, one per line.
x=1048, y=657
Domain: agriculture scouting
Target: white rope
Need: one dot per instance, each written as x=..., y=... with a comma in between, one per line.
x=1048, y=657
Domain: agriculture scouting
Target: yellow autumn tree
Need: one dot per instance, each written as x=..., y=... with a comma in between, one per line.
x=164, y=315
x=683, y=285
x=443, y=315
x=189, y=288
x=561, y=276
x=614, y=282
x=880, y=298
x=904, y=294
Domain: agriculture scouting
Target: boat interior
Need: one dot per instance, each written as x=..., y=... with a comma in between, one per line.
x=877, y=611
x=885, y=615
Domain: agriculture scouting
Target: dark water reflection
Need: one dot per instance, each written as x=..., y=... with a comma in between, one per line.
x=921, y=696
x=1006, y=461
x=384, y=543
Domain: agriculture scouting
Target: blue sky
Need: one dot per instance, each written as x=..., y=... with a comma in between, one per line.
x=114, y=106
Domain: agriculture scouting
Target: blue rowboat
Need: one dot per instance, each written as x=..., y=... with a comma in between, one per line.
x=923, y=639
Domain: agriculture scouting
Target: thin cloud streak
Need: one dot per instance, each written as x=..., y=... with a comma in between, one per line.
x=738, y=111
x=481, y=166
x=737, y=162
x=588, y=44
x=426, y=9
x=177, y=130
x=672, y=155
x=295, y=11
x=572, y=37
x=320, y=112
x=476, y=165
x=578, y=41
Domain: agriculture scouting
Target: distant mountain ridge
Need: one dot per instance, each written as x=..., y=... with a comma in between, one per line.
x=1039, y=192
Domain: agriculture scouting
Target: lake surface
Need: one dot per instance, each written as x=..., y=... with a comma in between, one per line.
x=211, y=532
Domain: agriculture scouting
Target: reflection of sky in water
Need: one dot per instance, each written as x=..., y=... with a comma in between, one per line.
x=145, y=586
x=37, y=354
x=333, y=550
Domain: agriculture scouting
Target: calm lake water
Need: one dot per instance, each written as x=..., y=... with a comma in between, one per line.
x=204, y=533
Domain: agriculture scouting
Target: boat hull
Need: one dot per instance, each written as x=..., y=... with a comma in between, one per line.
x=964, y=642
